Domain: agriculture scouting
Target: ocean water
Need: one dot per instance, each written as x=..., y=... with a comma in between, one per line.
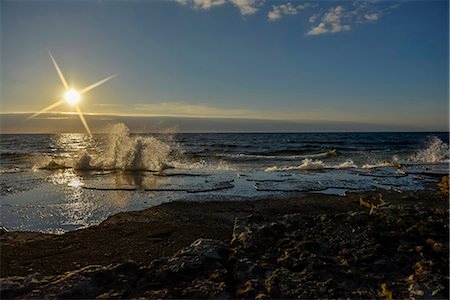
x=62, y=182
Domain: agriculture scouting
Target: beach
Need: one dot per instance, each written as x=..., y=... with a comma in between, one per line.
x=306, y=245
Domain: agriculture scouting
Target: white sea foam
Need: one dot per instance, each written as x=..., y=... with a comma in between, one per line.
x=436, y=152
x=382, y=164
x=121, y=151
x=309, y=164
x=346, y=164
x=124, y=151
x=182, y=163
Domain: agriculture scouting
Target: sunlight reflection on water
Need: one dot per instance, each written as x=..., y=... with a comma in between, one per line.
x=74, y=184
x=70, y=144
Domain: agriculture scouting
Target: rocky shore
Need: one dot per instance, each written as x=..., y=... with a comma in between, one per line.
x=389, y=245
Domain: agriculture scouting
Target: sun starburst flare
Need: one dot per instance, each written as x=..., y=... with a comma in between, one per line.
x=71, y=96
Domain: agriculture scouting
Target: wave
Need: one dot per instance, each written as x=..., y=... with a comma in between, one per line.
x=124, y=151
x=244, y=156
x=436, y=152
x=121, y=151
x=201, y=165
x=382, y=164
x=309, y=164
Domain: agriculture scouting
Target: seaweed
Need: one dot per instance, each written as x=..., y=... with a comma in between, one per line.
x=385, y=292
x=443, y=185
x=374, y=203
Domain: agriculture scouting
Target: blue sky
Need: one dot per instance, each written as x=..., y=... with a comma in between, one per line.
x=376, y=62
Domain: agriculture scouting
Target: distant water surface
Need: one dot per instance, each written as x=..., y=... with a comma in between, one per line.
x=61, y=182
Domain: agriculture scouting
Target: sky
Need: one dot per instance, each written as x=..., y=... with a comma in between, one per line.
x=339, y=65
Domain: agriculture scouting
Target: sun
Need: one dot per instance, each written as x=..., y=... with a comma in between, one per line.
x=72, y=97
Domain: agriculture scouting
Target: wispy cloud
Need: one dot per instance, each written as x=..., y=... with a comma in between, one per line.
x=179, y=109
x=279, y=11
x=313, y=18
x=372, y=17
x=332, y=22
x=107, y=104
x=185, y=109
x=339, y=19
x=201, y=4
x=246, y=7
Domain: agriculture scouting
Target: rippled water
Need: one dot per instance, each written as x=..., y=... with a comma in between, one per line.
x=62, y=182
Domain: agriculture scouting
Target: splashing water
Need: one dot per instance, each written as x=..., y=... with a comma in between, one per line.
x=126, y=152
x=436, y=151
x=119, y=151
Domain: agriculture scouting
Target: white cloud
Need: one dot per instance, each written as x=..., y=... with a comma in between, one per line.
x=202, y=4
x=339, y=19
x=313, y=18
x=336, y=19
x=246, y=7
x=319, y=29
x=332, y=22
x=278, y=11
x=372, y=17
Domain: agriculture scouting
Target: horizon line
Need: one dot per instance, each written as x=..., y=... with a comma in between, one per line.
x=198, y=117
x=233, y=132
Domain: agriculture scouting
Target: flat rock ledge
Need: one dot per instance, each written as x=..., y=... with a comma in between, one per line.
x=398, y=250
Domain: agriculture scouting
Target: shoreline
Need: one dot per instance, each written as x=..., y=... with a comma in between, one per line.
x=164, y=230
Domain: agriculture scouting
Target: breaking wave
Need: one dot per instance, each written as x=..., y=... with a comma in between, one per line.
x=436, y=152
x=126, y=152
x=383, y=164
x=309, y=164
x=120, y=151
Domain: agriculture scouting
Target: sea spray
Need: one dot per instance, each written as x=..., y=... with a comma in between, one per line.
x=435, y=152
x=119, y=150
x=127, y=152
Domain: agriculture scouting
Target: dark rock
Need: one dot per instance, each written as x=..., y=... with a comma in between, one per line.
x=196, y=271
x=331, y=255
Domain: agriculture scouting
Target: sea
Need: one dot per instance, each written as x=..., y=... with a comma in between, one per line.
x=62, y=182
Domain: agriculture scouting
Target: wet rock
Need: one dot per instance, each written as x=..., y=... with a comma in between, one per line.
x=196, y=271
x=337, y=255
x=331, y=255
